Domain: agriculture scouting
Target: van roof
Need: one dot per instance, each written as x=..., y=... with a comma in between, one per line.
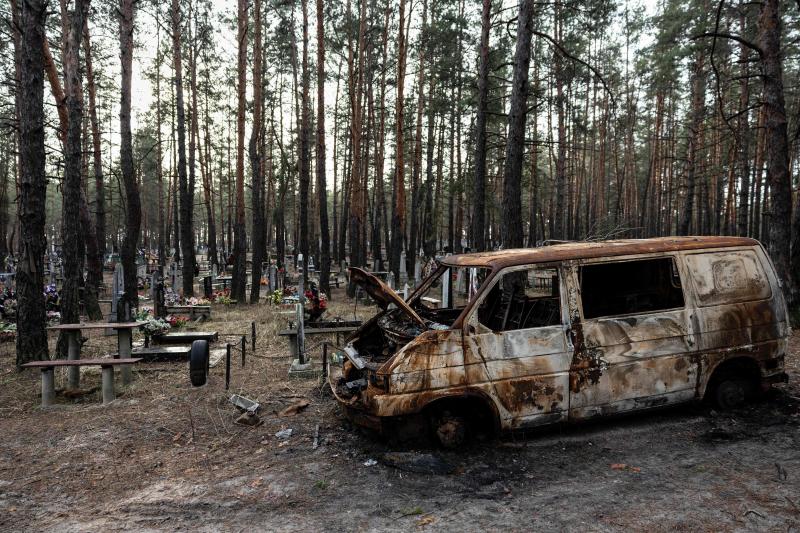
x=586, y=250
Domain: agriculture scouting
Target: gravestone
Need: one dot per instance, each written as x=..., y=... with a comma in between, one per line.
x=273, y=278
x=403, y=268
x=117, y=291
x=417, y=270
x=157, y=293
x=390, y=280
x=446, y=300
x=460, y=285
x=172, y=272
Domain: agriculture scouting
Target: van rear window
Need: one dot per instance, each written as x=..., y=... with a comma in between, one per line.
x=728, y=277
x=630, y=287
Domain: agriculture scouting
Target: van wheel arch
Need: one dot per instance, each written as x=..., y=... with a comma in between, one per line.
x=455, y=419
x=733, y=382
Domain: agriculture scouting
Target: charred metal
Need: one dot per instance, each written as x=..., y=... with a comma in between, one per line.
x=522, y=338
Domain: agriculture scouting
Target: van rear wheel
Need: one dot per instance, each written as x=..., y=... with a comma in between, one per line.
x=732, y=392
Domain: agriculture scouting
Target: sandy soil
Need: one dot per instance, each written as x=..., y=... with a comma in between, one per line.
x=166, y=456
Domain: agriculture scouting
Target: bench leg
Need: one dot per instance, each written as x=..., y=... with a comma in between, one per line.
x=108, y=384
x=73, y=372
x=124, y=350
x=48, y=387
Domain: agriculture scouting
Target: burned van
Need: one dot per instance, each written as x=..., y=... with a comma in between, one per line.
x=521, y=338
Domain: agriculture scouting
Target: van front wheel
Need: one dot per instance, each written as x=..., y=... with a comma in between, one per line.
x=450, y=430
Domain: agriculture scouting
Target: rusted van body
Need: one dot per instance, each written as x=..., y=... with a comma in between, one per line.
x=522, y=338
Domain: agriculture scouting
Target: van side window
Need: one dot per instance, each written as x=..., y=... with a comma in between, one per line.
x=523, y=299
x=728, y=277
x=630, y=287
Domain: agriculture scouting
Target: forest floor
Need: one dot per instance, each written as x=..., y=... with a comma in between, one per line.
x=166, y=456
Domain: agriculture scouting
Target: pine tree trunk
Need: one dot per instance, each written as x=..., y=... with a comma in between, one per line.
x=185, y=195
x=94, y=277
x=305, y=155
x=515, y=145
x=258, y=237
x=31, y=336
x=479, y=198
x=238, y=283
x=133, y=212
x=399, y=190
x=322, y=188
x=777, y=145
x=72, y=248
x=698, y=111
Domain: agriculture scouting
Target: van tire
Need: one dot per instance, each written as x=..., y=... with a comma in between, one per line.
x=198, y=363
x=450, y=430
x=732, y=392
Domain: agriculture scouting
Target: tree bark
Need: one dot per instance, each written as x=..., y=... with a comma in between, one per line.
x=515, y=145
x=133, y=211
x=399, y=192
x=256, y=159
x=72, y=247
x=94, y=277
x=777, y=143
x=322, y=190
x=238, y=284
x=31, y=320
x=185, y=195
x=695, y=134
x=479, y=193
x=305, y=140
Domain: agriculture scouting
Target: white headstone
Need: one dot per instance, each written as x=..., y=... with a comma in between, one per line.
x=403, y=270
x=446, y=300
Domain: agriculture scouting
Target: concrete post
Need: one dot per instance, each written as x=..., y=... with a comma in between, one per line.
x=108, y=383
x=73, y=353
x=48, y=386
x=124, y=352
x=446, y=292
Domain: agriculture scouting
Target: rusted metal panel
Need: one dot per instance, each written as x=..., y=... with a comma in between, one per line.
x=586, y=250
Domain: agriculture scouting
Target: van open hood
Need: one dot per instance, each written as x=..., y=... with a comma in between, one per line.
x=382, y=293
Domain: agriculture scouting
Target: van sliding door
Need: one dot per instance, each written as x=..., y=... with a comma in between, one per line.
x=633, y=342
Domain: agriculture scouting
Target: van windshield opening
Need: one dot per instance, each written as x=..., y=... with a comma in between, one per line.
x=449, y=292
x=630, y=287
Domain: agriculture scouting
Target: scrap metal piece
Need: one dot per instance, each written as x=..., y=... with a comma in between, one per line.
x=244, y=404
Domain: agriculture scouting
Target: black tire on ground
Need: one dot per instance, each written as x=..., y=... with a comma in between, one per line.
x=733, y=391
x=198, y=363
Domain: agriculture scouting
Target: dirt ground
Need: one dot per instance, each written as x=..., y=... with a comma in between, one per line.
x=166, y=456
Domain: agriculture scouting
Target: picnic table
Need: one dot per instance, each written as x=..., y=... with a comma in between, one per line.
x=124, y=336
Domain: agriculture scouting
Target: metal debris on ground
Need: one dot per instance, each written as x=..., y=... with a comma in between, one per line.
x=284, y=433
x=244, y=404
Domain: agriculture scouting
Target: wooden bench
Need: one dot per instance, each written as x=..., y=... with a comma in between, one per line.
x=185, y=337
x=163, y=353
x=193, y=311
x=107, y=365
x=309, y=332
